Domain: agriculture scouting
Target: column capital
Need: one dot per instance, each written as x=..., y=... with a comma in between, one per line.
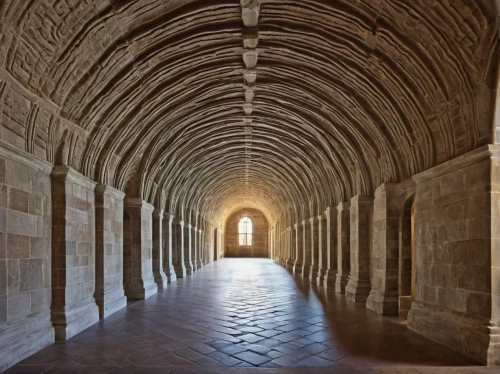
x=135, y=202
x=168, y=217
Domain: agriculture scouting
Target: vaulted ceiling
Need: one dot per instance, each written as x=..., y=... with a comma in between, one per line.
x=211, y=105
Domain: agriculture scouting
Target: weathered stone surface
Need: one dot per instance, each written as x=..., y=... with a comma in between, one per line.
x=73, y=253
x=109, y=293
x=138, y=275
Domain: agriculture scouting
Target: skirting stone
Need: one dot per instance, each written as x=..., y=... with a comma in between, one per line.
x=111, y=302
x=142, y=289
x=297, y=268
x=305, y=271
x=74, y=319
x=357, y=291
x=161, y=281
x=460, y=333
x=387, y=304
x=341, y=284
x=23, y=337
x=313, y=273
x=171, y=276
x=180, y=271
x=330, y=279
x=320, y=279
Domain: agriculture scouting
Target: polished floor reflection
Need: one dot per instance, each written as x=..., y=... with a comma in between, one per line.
x=243, y=313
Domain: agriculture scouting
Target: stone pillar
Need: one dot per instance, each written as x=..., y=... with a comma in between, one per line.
x=331, y=248
x=306, y=239
x=203, y=248
x=322, y=249
x=387, y=212
x=343, y=246
x=138, y=249
x=198, y=246
x=194, y=248
x=313, y=273
x=168, y=261
x=73, y=253
x=359, y=285
x=178, y=247
x=159, y=275
x=291, y=251
x=299, y=248
x=109, y=293
x=188, y=262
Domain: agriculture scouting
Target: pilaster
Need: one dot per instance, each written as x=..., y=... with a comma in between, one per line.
x=168, y=263
x=331, y=248
x=109, y=292
x=343, y=246
x=322, y=249
x=178, y=248
x=359, y=285
x=313, y=272
x=159, y=275
x=138, y=249
x=306, y=262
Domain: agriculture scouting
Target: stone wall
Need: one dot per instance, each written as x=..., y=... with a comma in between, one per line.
x=73, y=253
x=259, y=247
x=25, y=256
x=456, y=217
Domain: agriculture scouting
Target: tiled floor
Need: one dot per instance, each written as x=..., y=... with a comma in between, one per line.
x=245, y=313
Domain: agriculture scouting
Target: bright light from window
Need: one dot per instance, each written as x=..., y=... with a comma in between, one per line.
x=245, y=231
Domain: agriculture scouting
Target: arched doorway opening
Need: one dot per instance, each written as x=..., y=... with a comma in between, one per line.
x=406, y=284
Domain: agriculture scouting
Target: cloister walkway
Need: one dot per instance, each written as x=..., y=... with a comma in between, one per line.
x=244, y=313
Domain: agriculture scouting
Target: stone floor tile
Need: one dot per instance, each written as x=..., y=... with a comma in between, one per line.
x=253, y=358
x=197, y=326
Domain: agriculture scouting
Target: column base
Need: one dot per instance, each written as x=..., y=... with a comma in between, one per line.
x=170, y=274
x=23, y=337
x=161, y=280
x=199, y=264
x=313, y=273
x=180, y=271
x=297, y=268
x=189, y=268
x=357, y=291
x=330, y=279
x=386, y=304
x=141, y=289
x=341, y=284
x=458, y=332
x=305, y=271
x=320, y=278
x=110, y=301
x=289, y=265
x=75, y=318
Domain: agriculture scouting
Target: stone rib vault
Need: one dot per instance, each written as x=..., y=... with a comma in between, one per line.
x=131, y=130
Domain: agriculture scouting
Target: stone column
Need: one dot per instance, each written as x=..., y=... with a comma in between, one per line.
x=178, y=247
x=167, y=243
x=109, y=293
x=299, y=248
x=387, y=212
x=159, y=275
x=73, y=253
x=359, y=285
x=203, y=255
x=313, y=273
x=198, y=246
x=343, y=246
x=188, y=262
x=322, y=249
x=194, y=248
x=138, y=249
x=306, y=239
x=291, y=253
x=331, y=240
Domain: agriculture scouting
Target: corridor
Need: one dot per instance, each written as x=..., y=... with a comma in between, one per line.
x=242, y=313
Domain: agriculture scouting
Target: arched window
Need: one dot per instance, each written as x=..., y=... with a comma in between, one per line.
x=245, y=231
